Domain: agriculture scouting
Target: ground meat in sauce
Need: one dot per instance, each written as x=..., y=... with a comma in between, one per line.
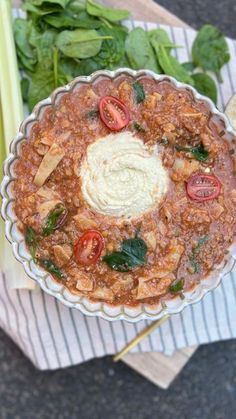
x=169, y=117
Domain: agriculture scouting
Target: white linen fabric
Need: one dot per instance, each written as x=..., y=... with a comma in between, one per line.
x=54, y=336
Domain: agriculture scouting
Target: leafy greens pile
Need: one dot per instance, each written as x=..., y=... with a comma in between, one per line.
x=62, y=39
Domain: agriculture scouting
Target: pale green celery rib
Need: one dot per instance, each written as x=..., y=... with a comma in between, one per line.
x=12, y=105
x=12, y=115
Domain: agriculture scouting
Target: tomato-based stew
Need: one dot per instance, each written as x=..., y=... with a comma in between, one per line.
x=126, y=190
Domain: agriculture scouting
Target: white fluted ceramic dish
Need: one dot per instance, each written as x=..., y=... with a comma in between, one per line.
x=43, y=278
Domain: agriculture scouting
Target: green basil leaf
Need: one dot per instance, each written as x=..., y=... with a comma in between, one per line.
x=177, y=286
x=135, y=248
x=94, y=113
x=210, y=50
x=172, y=67
x=200, y=153
x=205, y=85
x=139, y=127
x=80, y=43
x=193, y=258
x=51, y=267
x=111, y=14
x=139, y=51
x=31, y=241
x=119, y=261
x=53, y=219
x=139, y=92
x=132, y=254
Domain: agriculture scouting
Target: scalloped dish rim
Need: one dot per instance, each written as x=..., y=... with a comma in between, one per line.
x=44, y=279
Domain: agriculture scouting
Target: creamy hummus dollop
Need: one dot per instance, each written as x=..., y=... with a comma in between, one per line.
x=122, y=177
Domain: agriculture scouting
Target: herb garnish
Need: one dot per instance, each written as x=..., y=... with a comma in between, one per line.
x=139, y=127
x=51, y=267
x=92, y=114
x=139, y=92
x=54, y=219
x=31, y=241
x=132, y=254
x=193, y=259
x=199, y=152
x=177, y=285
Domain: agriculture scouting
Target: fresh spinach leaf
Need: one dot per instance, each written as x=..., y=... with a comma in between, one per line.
x=61, y=3
x=53, y=220
x=80, y=43
x=177, y=286
x=44, y=45
x=31, y=241
x=160, y=37
x=189, y=66
x=39, y=11
x=205, y=85
x=139, y=127
x=171, y=66
x=113, y=49
x=193, y=259
x=139, y=51
x=68, y=67
x=43, y=82
x=210, y=50
x=132, y=254
x=88, y=66
x=111, y=14
x=24, y=84
x=61, y=20
x=139, y=92
x=25, y=51
x=51, y=267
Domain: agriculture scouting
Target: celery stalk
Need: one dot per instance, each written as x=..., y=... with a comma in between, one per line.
x=12, y=114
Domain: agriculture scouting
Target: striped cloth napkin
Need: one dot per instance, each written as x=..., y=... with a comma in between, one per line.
x=54, y=336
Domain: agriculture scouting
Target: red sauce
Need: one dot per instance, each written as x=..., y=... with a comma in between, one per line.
x=169, y=117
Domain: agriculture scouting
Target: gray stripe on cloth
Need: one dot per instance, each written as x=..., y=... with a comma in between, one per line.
x=63, y=331
x=50, y=330
x=39, y=332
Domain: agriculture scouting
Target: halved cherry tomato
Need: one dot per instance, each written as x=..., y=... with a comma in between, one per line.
x=89, y=247
x=202, y=187
x=113, y=113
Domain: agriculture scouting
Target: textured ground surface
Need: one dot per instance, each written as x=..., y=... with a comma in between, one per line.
x=99, y=389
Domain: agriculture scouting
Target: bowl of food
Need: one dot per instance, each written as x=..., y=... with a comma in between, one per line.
x=119, y=195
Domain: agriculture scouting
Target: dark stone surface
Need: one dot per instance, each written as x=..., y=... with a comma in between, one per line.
x=196, y=13
x=100, y=389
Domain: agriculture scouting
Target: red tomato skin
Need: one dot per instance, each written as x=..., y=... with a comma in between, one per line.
x=216, y=186
x=78, y=247
x=110, y=102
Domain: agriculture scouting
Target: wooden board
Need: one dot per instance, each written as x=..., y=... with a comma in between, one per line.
x=156, y=367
